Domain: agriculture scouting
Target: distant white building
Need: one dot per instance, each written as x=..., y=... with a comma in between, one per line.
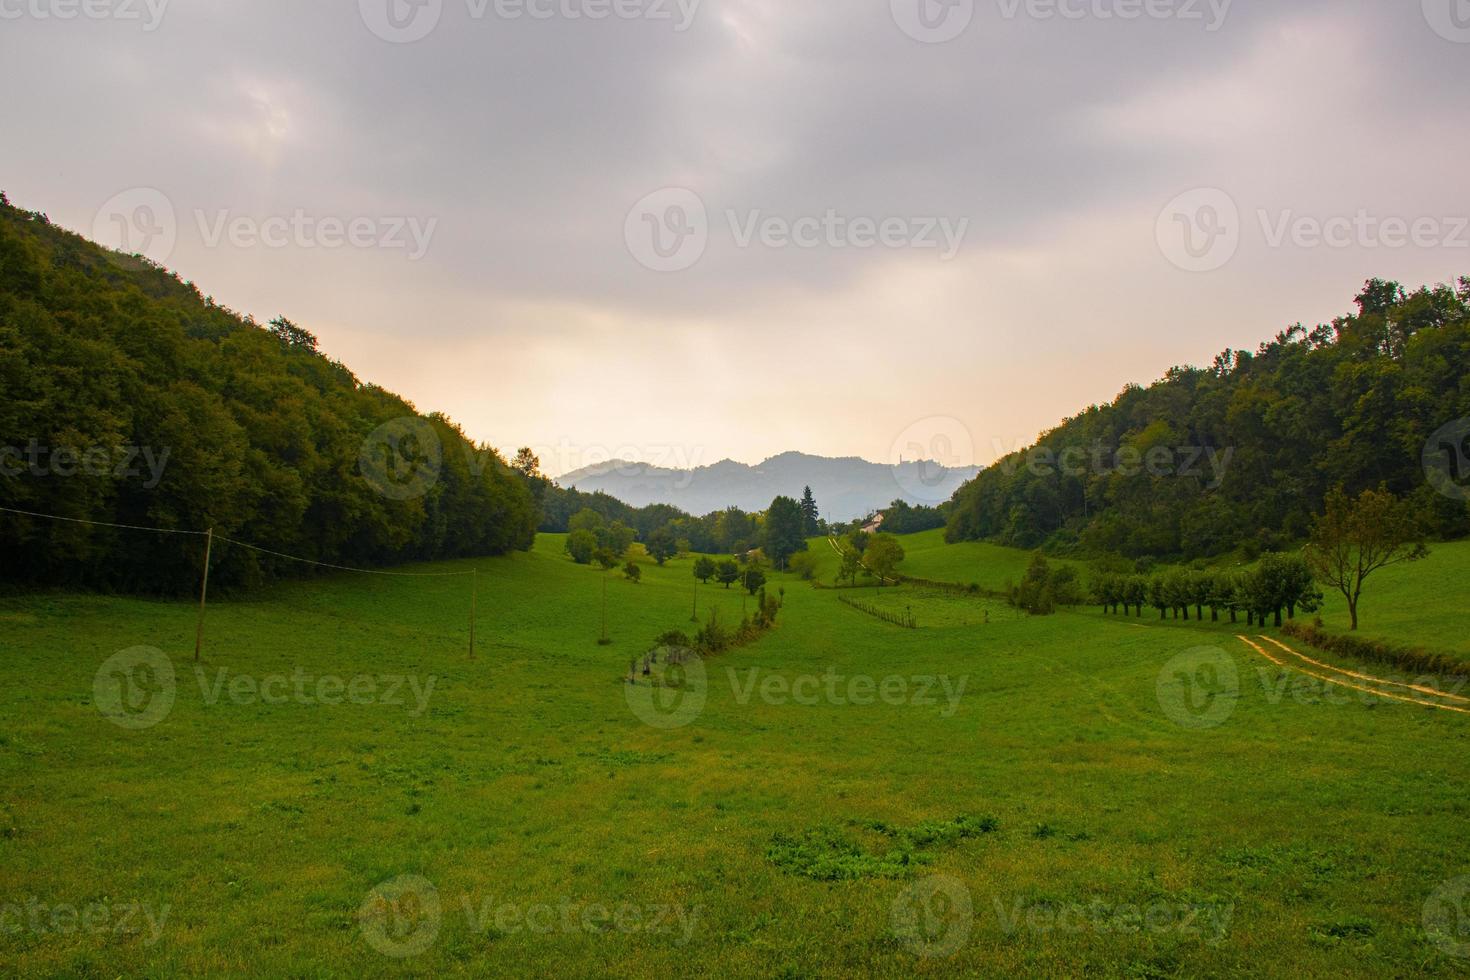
x=874, y=526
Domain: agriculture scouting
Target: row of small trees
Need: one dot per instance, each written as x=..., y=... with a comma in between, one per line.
x=752, y=577
x=1280, y=584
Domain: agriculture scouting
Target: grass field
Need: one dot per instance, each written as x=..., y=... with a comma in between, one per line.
x=1411, y=604
x=1054, y=796
x=989, y=566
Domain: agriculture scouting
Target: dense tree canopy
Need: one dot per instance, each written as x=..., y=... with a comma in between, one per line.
x=784, y=535
x=1245, y=451
x=249, y=430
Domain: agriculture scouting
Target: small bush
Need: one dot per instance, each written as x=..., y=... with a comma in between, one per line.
x=673, y=638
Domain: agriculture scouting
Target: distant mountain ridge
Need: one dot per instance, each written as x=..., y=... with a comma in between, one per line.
x=845, y=488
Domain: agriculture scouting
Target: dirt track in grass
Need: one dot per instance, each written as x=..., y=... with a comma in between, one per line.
x=1460, y=704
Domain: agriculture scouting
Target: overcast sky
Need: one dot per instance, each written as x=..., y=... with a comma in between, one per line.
x=687, y=231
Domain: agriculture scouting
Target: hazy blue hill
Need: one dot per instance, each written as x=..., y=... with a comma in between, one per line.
x=845, y=488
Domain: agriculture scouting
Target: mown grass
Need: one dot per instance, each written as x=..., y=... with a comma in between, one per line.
x=1325, y=827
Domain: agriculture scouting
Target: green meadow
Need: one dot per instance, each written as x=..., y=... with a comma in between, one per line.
x=338, y=789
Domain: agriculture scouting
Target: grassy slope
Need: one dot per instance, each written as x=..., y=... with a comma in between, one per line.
x=989, y=565
x=529, y=780
x=1420, y=604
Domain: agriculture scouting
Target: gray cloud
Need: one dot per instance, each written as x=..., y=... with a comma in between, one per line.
x=529, y=141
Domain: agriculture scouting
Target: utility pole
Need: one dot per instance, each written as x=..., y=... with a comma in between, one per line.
x=604, y=641
x=203, y=594
x=474, y=590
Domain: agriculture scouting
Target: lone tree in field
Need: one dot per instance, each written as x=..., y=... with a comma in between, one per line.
x=883, y=556
x=633, y=573
x=753, y=579
x=727, y=573
x=1355, y=538
x=662, y=545
x=704, y=568
x=852, y=564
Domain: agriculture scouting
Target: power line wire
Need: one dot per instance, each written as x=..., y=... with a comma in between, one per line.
x=78, y=520
x=242, y=544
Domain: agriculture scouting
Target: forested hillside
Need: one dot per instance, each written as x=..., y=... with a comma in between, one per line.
x=1242, y=453
x=131, y=398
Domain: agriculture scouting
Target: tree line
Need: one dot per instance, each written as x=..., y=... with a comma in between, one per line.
x=1279, y=584
x=778, y=534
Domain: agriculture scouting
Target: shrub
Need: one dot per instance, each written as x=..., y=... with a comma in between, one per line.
x=673, y=638
x=804, y=564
